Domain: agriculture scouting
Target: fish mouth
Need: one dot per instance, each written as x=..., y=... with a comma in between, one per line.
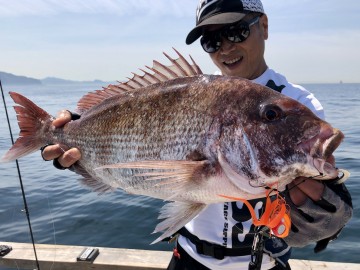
x=319, y=149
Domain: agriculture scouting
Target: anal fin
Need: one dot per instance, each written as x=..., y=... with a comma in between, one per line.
x=90, y=181
x=176, y=215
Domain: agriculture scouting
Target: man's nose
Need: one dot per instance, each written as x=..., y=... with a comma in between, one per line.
x=226, y=45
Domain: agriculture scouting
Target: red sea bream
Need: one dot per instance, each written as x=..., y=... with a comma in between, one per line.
x=182, y=136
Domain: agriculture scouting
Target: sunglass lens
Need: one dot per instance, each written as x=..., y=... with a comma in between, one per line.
x=237, y=33
x=210, y=43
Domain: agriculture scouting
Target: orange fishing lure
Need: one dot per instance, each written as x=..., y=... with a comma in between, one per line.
x=276, y=214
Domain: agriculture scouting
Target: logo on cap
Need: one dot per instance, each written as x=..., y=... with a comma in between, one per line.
x=203, y=4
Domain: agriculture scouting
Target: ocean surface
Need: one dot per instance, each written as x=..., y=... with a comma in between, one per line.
x=62, y=211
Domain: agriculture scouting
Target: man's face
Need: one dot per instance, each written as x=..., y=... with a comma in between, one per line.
x=244, y=59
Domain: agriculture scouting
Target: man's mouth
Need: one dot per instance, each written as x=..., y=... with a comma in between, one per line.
x=233, y=61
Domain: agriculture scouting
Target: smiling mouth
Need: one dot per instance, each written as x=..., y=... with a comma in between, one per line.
x=233, y=61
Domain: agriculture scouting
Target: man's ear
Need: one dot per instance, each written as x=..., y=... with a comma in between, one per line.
x=264, y=26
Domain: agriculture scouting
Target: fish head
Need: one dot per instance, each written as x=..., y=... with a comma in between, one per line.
x=268, y=139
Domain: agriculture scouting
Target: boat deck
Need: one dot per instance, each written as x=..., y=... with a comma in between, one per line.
x=61, y=257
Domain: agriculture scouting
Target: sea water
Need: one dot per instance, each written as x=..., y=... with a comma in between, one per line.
x=62, y=211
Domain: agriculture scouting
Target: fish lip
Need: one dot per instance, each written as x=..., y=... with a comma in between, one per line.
x=320, y=147
x=322, y=143
x=326, y=170
x=332, y=143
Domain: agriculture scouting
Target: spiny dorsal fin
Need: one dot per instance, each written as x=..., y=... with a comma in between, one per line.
x=158, y=73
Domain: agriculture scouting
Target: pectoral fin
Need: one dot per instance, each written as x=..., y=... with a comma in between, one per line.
x=174, y=176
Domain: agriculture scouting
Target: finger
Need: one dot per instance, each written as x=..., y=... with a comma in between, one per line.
x=62, y=118
x=312, y=188
x=297, y=196
x=69, y=157
x=51, y=152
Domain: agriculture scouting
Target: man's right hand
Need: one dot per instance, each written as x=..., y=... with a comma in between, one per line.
x=66, y=157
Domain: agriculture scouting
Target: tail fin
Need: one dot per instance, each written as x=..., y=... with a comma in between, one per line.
x=31, y=120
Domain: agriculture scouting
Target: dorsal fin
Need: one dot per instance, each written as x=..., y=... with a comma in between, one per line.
x=180, y=68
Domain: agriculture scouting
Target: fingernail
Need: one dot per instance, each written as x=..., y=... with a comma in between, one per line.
x=61, y=114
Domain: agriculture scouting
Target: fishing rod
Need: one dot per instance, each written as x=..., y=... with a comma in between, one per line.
x=26, y=208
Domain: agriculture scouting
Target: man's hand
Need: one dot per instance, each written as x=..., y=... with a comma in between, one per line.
x=302, y=188
x=66, y=157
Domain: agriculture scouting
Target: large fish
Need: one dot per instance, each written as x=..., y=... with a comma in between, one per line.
x=178, y=135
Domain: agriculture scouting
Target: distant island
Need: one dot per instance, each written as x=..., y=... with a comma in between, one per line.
x=11, y=79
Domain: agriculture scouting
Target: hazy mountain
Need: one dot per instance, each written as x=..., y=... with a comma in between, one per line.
x=54, y=80
x=11, y=79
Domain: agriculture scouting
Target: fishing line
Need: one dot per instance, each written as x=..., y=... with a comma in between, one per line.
x=26, y=210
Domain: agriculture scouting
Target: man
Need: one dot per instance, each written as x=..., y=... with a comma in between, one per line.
x=233, y=32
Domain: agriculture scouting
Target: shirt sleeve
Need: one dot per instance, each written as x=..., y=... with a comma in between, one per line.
x=306, y=98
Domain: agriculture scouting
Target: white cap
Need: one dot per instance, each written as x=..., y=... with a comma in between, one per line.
x=221, y=12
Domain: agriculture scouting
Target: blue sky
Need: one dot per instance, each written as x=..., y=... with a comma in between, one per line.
x=310, y=41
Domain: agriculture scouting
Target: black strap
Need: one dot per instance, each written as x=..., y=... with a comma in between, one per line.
x=214, y=250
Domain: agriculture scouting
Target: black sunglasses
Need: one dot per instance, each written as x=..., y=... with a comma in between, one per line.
x=236, y=33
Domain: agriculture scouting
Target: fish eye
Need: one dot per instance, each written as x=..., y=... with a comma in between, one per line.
x=271, y=113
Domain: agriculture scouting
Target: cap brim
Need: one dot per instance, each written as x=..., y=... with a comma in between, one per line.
x=222, y=18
